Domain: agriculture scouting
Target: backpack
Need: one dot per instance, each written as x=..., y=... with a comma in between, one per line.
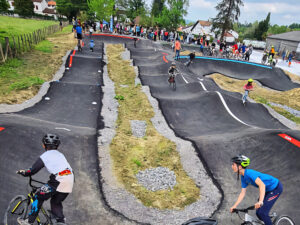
x=201, y=221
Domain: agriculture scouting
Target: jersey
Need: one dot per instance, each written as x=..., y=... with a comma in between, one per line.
x=56, y=164
x=251, y=175
x=172, y=70
x=248, y=87
x=78, y=30
x=177, y=45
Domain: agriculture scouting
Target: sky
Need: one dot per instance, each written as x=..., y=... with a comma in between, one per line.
x=283, y=12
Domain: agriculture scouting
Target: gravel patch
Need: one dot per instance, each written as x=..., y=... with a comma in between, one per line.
x=155, y=179
x=138, y=128
x=124, y=202
x=5, y=108
x=290, y=110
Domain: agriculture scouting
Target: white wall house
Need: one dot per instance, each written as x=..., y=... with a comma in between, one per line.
x=41, y=7
x=203, y=27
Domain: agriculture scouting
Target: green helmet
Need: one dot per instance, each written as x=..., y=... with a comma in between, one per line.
x=242, y=160
x=250, y=80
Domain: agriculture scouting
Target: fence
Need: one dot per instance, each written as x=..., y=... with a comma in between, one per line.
x=13, y=46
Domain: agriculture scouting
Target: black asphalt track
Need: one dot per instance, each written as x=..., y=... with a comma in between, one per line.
x=197, y=113
x=72, y=112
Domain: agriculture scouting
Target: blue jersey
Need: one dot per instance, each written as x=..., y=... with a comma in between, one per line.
x=79, y=30
x=251, y=175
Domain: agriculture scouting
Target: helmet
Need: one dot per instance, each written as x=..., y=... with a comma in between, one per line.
x=194, y=51
x=51, y=140
x=92, y=40
x=250, y=80
x=242, y=160
x=173, y=64
x=272, y=46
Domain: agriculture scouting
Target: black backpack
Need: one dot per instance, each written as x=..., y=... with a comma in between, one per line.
x=201, y=221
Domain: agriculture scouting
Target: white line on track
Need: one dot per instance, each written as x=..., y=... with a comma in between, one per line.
x=184, y=79
x=62, y=128
x=204, y=88
x=226, y=107
x=200, y=79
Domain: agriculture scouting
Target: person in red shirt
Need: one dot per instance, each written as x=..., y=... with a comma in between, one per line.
x=248, y=87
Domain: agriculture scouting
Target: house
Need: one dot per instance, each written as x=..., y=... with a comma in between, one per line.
x=289, y=41
x=202, y=27
x=231, y=36
x=41, y=7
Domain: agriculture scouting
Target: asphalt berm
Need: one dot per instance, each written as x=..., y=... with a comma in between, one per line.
x=214, y=120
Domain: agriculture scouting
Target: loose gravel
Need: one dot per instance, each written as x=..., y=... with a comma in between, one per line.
x=138, y=128
x=290, y=110
x=155, y=179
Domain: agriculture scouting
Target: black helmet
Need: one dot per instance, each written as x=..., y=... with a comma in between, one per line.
x=51, y=140
x=242, y=160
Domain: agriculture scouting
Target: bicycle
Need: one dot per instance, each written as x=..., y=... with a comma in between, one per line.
x=172, y=81
x=250, y=220
x=19, y=207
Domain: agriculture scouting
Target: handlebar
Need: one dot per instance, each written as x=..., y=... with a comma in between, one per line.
x=244, y=210
x=31, y=181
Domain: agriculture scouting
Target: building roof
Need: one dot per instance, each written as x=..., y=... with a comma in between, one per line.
x=204, y=23
x=49, y=11
x=52, y=3
x=37, y=1
x=288, y=36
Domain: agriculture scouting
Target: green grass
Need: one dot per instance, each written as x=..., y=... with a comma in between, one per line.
x=10, y=26
x=26, y=82
x=9, y=74
x=44, y=46
x=287, y=114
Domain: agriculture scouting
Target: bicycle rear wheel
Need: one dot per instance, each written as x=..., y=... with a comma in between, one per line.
x=17, y=208
x=284, y=220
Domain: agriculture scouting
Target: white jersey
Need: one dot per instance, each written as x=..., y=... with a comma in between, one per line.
x=55, y=162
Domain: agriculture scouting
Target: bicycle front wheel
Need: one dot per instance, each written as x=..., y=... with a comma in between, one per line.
x=284, y=220
x=16, y=208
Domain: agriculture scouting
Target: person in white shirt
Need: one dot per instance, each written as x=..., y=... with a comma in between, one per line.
x=59, y=185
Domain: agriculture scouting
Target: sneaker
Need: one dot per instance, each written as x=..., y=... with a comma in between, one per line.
x=23, y=222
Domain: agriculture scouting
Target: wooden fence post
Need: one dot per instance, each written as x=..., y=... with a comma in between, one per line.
x=15, y=47
x=8, y=49
x=1, y=52
x=23, y=48
x=19, y=44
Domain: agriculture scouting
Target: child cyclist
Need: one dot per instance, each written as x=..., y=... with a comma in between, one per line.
x=248, y=87
x=60, y=182
x=172, y=72
x=270, y=188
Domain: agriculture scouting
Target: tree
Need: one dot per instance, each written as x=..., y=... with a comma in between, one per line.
x=262, y=29
x=157, y=7
x=24, y=8
x=71, y=8
x=4, y=6
x=228, y=13
x=136, y=8
x=172, y=16
x=103, y=9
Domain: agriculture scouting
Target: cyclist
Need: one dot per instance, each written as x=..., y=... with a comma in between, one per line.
x=59, y=185
x=177, y=49
x=79, y=34
x=191, y=58
x=248, y=87
x=172, y=72
x=270, y=187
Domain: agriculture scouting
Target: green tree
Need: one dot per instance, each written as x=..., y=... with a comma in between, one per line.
x=262, y=29
x=228, y=13
x=4, y=6
x=136, y=8
x=103, y=9
x=71, y=8
x=172, y=15
x=157, y=7
x=24, y=8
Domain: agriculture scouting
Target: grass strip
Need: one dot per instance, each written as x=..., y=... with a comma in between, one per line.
x=21, y=78
x=263, y=95
x=131, y=154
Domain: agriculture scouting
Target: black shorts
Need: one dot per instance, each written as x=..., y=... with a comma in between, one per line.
x=79, y=36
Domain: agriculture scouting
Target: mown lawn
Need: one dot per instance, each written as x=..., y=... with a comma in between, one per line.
x=10, y=26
